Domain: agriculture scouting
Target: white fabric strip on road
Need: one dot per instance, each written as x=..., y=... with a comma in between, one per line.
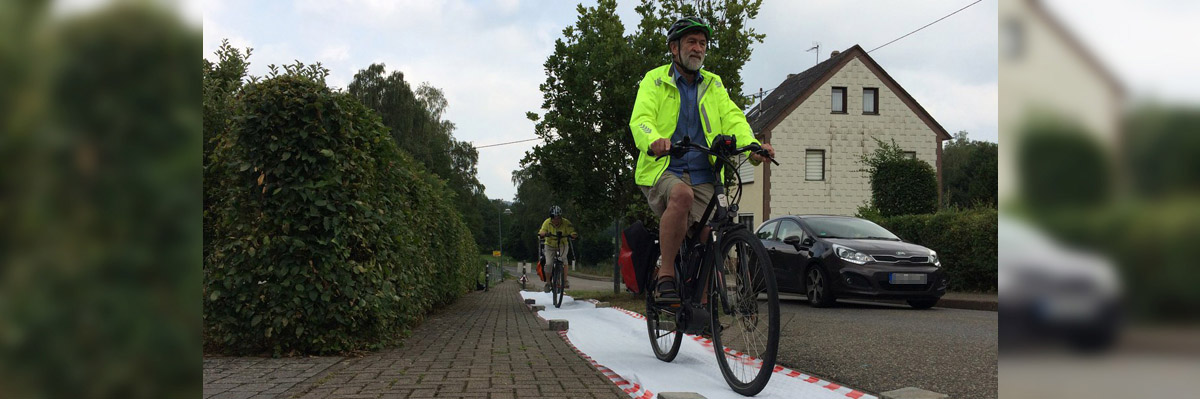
x=619, y=342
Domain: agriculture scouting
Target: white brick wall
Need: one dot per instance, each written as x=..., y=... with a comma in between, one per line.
x=844, y=137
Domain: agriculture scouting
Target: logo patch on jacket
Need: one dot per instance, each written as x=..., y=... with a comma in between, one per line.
x=644, y=128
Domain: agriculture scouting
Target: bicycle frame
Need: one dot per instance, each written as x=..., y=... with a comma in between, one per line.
x=717, y=217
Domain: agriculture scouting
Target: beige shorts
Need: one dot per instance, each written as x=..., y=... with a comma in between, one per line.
x=659, y=194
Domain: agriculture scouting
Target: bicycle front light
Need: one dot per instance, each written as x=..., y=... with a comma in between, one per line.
x=851, y=255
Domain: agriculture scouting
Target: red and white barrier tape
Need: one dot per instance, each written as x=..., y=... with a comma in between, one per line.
x=751, y=361
x=638, y=392
x=635, y=390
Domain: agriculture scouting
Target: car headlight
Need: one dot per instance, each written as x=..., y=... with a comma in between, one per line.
x=933, y=258
x=850, y=255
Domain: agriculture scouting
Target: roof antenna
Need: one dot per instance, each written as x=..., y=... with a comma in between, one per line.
x=817, y=56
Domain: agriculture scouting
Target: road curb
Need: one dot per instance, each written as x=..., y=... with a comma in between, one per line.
x=968, y=304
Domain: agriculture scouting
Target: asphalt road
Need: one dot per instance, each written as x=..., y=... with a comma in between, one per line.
x=879, y=347
x=882, y=347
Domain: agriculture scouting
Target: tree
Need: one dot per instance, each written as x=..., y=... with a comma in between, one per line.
x=591, y=82
x=324, y=231
x=1162, y=146
x=730, y=47
x=969, y=172
x=415, y=120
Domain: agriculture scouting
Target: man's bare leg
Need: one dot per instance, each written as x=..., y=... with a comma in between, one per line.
x=673, y=226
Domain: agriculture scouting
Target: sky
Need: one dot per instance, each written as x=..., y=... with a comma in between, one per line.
x=1144, y=44
x=487, y=55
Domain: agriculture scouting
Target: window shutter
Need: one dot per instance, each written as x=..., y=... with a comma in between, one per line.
x=746, y=170
x=814, y=165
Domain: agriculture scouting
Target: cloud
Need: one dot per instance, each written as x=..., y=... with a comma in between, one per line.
x=334, y=54
x=214, y=33
x=956, y=105
x=487, y=56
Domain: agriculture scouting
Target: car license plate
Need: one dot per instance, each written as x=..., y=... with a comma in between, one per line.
x=907, y=278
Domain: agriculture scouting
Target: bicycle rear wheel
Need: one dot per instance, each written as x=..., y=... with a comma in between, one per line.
x=664, y=333
x=556, y=284
x=746, y=337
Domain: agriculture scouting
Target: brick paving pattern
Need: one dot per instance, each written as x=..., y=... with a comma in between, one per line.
x=485, y=345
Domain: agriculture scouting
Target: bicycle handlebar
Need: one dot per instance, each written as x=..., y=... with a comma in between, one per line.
x=558, y=235
x=679, y=148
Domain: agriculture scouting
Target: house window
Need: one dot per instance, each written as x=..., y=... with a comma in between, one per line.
x=1012, y=39
x=814, y=165
x=745, y=170
x=746, y=219
x=871, y=101
x=839, y=100
x=910, y=154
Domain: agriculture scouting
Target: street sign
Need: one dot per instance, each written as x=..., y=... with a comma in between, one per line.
x=496, y=253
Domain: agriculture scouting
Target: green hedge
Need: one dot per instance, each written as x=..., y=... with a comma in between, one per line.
x=1153, y=245
x=965, y=241
x=326, y=238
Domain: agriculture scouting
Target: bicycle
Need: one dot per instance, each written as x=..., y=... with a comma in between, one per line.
x=523, y=279
x=557, y=272
x=725, y=285
x=487, y=276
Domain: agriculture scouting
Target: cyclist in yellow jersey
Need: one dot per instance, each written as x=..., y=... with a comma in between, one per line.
x=556, y=248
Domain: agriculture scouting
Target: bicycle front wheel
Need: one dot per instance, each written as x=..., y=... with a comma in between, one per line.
x=556, y=284
x=745, y=313
x=660, y=323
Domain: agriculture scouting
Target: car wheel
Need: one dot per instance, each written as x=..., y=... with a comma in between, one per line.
x=816, y=287
x=922, y=303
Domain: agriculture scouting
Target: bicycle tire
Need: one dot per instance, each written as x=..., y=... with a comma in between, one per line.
x=557, y=284
x=745, y=360
x=662, y=329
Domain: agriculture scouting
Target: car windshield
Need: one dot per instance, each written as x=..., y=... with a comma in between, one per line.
x=849, y=228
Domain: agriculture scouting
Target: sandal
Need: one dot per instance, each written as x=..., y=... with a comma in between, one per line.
x=664, y=290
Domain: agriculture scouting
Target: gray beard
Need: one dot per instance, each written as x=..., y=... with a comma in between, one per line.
x=690, y=64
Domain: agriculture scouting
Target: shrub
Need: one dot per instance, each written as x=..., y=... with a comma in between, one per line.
x=325, y=238
x=1152, y=244
x=965, y=241
x=904, y=187
x=899, y=185
x=1062, y=166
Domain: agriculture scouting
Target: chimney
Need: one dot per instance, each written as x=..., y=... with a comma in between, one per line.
x=834, y=53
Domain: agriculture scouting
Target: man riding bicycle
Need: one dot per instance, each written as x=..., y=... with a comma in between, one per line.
x=675, y=101
x=556, y=248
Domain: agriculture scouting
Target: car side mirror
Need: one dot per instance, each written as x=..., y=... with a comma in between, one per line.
x=796, y=242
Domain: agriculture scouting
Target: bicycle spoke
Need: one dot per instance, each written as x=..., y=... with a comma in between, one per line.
x=749, y=332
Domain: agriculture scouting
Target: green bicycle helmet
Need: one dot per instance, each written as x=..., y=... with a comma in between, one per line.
x=688, y=24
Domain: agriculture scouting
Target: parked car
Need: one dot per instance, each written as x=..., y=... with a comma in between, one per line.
x=831, y=257
x=1052, y=293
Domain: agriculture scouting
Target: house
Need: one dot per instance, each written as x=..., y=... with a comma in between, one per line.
x=821, y=121
x=1045, y=71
